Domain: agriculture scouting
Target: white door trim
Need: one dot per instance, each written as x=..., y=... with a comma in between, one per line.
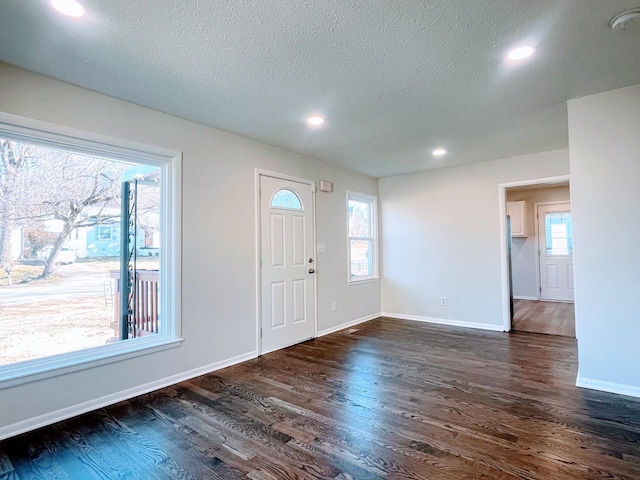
x=502, y=201
x=267, y=173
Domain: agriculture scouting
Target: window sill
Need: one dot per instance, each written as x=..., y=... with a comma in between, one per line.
x=363, y=280
x=37, y=369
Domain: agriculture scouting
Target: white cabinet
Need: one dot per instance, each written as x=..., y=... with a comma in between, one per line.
x=518, y=213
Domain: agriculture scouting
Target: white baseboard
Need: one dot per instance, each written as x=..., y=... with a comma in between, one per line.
x=68, y=412
x=342, y=326
x=443, y=321
x=524, y=297
x=619, y=388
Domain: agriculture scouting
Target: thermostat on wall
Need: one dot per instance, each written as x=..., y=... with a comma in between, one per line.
x=326, y=186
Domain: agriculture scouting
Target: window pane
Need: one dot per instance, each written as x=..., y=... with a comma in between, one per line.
x=286, y=199
x=361, y=258
x=63, y=257
x=359, y=219
x=104, y=233
x=559, y=233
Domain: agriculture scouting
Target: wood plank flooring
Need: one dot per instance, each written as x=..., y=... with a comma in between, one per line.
x=386, y=399
x=553, y=318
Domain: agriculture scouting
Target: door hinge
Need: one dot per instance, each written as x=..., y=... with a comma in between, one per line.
x=260, y=332
x=313, y=188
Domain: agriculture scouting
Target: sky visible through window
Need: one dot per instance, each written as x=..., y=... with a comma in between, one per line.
x=286, y=199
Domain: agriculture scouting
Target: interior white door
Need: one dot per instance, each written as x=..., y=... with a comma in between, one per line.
x=555, y=244
x=287, y=263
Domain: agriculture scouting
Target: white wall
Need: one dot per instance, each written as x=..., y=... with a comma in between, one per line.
x=523, y=249
x=441, y=237
x=218, y=257
x=604, y=139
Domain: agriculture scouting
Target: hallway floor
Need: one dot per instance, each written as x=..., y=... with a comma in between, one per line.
x=552, y=318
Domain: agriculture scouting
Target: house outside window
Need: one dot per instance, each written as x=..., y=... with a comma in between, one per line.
x=362, y=237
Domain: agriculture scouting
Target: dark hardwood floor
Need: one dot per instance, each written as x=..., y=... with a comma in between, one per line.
x=553, y=318
x=385, y=399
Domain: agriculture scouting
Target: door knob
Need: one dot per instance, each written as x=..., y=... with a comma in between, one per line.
x=311, y=270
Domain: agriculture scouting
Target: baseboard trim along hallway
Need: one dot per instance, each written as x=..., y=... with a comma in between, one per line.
x=445, y=321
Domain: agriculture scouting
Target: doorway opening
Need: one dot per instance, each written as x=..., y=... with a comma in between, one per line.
x=538, y=272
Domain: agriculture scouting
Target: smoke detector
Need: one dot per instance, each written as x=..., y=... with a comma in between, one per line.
x=622, y=20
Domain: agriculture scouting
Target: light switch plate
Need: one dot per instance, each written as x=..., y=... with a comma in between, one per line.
x=321, y=248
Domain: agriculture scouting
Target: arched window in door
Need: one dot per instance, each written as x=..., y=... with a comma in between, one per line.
x=285, y=198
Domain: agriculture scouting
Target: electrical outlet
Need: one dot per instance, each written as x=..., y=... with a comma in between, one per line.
x=334, y=306
x=443, y=301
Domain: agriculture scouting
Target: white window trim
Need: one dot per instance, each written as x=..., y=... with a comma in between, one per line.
x=170, y=163
x=373, y=201
x=99, y=235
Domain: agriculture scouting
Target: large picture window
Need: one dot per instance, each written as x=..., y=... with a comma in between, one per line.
x=77, y=282
x=363, y=241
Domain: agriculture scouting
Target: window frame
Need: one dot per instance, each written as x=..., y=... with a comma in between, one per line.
x=170, y=163
x=372, y=201
x=549, y=234
x=282, y=207
x=101, y=229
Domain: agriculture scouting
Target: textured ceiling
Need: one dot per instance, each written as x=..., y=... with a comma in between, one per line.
x=394, y=78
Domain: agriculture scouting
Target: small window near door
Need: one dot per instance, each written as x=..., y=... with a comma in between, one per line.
x=285, y=198
x=362, y=237
x=559, y=233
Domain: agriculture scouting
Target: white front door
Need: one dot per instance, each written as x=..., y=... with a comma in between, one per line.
x=287, y=263
x=555, y=243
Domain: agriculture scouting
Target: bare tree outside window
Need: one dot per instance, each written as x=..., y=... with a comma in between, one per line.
x=14, y=156
x=60, y=249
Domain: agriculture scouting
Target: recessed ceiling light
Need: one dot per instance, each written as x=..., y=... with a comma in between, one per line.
x=439, y=152
x=68, y=7
x=315, y=121
x=520, y=53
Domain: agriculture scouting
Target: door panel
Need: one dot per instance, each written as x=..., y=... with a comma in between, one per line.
x=277, y=304
x=298, y=240
x=287, y=278
x=299, y=300
x=556, y=252
x=277, y=241
x=552, y=276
